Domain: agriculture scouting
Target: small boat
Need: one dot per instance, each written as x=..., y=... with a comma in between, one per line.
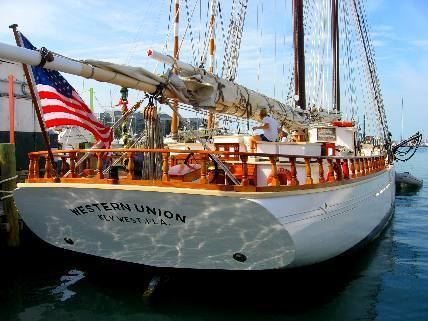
x=407, y=180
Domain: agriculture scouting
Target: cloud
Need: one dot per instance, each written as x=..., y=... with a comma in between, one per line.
x=421, y=43
x=36, y=17
x=374, y=5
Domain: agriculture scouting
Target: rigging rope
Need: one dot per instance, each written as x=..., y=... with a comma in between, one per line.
x=192, y=42
x=236, y=26
x=361, y=22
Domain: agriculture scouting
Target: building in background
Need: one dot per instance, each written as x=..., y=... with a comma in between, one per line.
x=28, y=136
x=136, y=122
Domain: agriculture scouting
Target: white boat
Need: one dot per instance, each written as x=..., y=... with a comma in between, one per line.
x=287, y=205
x=209, y=229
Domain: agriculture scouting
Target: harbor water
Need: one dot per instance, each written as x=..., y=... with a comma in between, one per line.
x=387, y=280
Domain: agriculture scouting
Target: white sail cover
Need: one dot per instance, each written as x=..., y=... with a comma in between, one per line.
x=200, y=89
x=173, y=83
x=193, y=86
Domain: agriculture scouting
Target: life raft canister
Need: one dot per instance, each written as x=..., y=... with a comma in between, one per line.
x=342, y=123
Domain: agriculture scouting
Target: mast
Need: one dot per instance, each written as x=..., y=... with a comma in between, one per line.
x=335, y=55
x=174, y=120
x=212, y=49
x=299, y=54
x=212, y=34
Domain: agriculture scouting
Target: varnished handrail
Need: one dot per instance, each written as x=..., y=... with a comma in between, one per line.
x=353, y=175
x=31, y=166
x=309, y=179
x=330, y=174
x=184, y=151
x=345, y=169
x=131, y=174
x=338, y=171
x=321, y=178
x=339, y=167
x=165, y=167
x=294, y=181
x=274, y=171
x=48, y=173
x=63, y=165
x=36, y=166
x=204, y=169
x=100, y=174
x=244, y=160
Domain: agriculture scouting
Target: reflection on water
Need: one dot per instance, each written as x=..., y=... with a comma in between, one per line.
x=388, y=280
x=62, y=290
x=109, y=291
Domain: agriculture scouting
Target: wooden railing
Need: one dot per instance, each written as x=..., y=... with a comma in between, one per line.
x=339, y=169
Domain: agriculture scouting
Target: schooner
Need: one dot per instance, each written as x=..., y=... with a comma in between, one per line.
x=289, y=204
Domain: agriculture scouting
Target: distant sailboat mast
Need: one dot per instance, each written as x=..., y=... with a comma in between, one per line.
x=402, y=118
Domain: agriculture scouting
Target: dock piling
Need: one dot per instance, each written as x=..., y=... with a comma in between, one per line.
x=7, y=174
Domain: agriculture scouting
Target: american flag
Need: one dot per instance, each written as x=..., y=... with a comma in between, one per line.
x=62, y=106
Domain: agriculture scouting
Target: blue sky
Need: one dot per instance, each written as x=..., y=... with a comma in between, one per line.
x=122, y=31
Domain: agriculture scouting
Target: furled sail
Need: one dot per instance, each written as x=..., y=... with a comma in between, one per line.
x=193, y=86
x=197, y=87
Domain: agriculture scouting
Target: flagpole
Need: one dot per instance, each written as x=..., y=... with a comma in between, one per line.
x=35, y=100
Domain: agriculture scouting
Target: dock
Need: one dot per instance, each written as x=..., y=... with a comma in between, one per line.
x=9, y=217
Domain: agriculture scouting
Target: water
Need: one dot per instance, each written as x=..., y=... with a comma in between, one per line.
x=388, y=280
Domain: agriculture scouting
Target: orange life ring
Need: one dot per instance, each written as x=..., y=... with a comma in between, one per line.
x=284, y=176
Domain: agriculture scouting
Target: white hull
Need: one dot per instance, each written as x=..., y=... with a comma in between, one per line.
x=185, y=228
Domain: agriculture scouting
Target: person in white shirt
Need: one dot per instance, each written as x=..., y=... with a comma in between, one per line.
x=270, y=130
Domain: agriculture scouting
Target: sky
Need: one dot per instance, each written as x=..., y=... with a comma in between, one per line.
x=122, y=31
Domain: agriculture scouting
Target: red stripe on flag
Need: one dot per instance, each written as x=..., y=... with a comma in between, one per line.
x=69, y=102
x=61, y=109
x=72, y=122
x=51, y=117
x=78, y=113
